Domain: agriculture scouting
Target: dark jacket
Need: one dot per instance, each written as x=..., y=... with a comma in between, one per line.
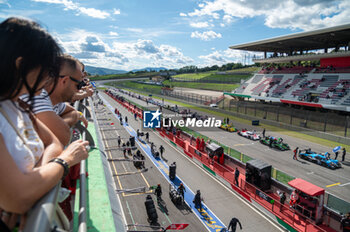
x=233, y=224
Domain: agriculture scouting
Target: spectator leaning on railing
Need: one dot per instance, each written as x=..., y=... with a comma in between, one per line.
x=85, y=91
x=54, y=110
x=59, y=116
x=29, y=62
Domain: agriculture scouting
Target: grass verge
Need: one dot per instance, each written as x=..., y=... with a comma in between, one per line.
x=207, y=86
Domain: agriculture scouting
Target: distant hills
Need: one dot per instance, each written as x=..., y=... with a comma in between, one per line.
x=102, y=71
x=148, y=69
x=106, y=71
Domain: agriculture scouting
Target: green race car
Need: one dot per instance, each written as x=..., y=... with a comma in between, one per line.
x=275, y=143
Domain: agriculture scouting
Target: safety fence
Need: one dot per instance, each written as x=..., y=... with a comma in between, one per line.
x=325, y=121
x=193, y=97
x=290, y=218
x=45, y=215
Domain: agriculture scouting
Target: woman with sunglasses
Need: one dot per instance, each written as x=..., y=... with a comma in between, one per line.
x=28, y=63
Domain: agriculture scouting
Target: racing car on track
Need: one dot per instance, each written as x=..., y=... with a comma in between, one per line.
x=228, y=127
x=275, y=143
x=319, y=158
x=249, y=134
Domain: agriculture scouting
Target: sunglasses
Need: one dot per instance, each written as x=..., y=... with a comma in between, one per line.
x=80, y=85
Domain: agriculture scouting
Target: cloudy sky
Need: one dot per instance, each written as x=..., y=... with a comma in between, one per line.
x=130, y=34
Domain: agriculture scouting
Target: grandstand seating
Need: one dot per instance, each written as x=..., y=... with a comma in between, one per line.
x=329, y=89
x=333, y=70
x=286, y=70
x=295, y=69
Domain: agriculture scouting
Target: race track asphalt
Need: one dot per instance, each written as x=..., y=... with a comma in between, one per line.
x=223, y=202
x=335, y=182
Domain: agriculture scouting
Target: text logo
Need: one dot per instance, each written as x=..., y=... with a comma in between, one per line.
x=151, y=119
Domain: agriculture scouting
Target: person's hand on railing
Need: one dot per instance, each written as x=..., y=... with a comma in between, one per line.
x=10, y=219
x=89, y=90
x=82, y=119
x=75, y=152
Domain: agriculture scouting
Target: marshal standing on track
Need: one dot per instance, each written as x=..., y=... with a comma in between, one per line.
x=161, y=150
x=181, y=189
x=158, y=191
x=233, y=224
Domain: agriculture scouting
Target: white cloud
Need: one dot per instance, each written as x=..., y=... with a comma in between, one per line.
x=149, y=33
x=137, y=30
x=6, y=13
x=227, y=56
x=293, y=14
x=94, y=12
x=145, y=46
x=96, y=50
x=5, y=2
x=112, y=33
x=69, y=5
x=207, y=35
x=116, y=11
x=200, y=25
x=215, y=57
x=228, y=19
x=183, y=14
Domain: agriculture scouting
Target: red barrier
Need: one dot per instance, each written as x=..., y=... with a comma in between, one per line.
x=180, y=142
x=169, y=135
x=188, y=154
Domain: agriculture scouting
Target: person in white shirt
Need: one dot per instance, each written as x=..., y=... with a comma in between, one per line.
x=27, y=168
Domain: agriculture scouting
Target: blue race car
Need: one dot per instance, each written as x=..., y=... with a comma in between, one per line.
x=320, y=159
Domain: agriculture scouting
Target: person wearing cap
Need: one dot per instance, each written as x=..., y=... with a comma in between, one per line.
x=158, y=191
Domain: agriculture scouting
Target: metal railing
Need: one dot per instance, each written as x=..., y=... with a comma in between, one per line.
x=41, y=217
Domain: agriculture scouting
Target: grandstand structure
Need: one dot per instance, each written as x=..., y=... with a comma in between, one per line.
x=323, y=83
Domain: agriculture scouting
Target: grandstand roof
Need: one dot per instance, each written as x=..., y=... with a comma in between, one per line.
x=310, y=40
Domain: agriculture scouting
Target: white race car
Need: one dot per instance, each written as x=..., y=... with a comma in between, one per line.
x=249, y=134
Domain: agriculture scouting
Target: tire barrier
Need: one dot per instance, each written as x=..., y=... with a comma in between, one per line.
x=175, y=196
x=172, y=171
x=151, y=210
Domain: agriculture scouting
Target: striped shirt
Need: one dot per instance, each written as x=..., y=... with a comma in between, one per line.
x=42, y=103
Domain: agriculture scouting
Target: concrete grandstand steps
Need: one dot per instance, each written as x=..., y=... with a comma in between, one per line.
x=329, y=81
x=261, y=87
x=346, y=101
x=281, y=88
x=257, y=78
